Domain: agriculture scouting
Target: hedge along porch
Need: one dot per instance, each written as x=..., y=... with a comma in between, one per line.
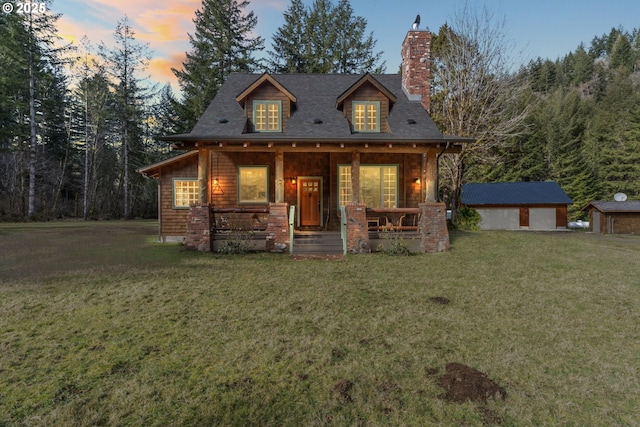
x=317, y=142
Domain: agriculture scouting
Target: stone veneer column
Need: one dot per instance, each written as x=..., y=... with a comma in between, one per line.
x=199, y=228
x=434, y=235
x=357, y=229
x=278, y=228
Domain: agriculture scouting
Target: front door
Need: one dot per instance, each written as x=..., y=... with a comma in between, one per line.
x=310, y=202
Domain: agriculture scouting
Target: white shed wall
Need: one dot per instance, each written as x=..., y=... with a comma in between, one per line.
x=499, y=218
x=542, y=218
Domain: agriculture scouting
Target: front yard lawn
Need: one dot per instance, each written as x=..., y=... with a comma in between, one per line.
x=99, y=325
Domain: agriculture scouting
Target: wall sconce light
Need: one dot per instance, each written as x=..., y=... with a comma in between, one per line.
x=416, y=180
x=293, y=180
x=217, y=189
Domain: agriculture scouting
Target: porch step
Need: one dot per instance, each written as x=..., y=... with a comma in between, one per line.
x=317, y=243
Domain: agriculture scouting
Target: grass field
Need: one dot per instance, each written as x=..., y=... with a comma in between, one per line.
x=99, y=325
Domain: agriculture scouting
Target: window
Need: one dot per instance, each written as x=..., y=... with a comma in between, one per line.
x=185, y=192
x=267, y=116
x=253, y=184
x=366, y=116
x=378, y=185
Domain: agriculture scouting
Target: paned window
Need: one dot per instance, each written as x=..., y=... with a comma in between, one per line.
x=366, y=116
x=267, y=116
x=253, y=184
x=378, y=185
x=185, y=192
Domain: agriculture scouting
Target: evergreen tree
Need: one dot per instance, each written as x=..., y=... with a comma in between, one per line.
x=221, y=45
x=564, y=124
x=354, y=49
x=288, y=54
x=321, y=37
x=611, y=147
x=124, y=62
x=583, y=66
x=324, y=39
x=621, y=53
x=30, y=62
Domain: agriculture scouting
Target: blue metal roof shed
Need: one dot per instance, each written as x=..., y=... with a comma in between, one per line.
x=518, y=205
x=514, y=193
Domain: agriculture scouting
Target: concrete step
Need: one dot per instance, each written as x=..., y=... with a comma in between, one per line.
x=317, y=243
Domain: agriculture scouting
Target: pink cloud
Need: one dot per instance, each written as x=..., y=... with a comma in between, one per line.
x=160, y=69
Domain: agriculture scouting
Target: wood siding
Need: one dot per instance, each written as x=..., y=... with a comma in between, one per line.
x=173, y=222
x=267, y=92
x=618, y=222
x=367, y=92
x=224, y=167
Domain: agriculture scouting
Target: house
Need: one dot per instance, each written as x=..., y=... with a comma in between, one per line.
x=518, y=205
x=614, y=217
x=322, y=152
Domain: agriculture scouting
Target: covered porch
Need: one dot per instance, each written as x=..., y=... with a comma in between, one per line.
x=318, y=179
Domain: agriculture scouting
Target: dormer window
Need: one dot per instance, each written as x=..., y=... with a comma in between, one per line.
x=366, y=116
x=267, y=116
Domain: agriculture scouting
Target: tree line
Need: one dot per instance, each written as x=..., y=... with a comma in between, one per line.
x=583, y=125
x=76, y=122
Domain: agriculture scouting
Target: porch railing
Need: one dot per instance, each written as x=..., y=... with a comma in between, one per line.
x=239, y=217
x=343, y=228
x=292, y=223
x=400, y=219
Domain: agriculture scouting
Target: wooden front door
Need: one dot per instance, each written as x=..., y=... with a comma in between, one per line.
x=310, y=202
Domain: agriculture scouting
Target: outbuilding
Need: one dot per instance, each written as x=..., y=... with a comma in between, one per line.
x=614, y=217
x=518, y=205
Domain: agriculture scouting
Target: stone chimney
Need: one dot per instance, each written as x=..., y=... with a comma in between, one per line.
x=416, y=67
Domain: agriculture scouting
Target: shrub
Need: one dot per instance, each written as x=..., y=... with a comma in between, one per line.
x=394, y=244
x=468, y=219
x=237, y=241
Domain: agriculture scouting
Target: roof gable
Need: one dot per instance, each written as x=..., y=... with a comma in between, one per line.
x=315, y=117
x=153, y=171
x=265, y=78
x=367, y=78
x=514, y=193
x=629, y=206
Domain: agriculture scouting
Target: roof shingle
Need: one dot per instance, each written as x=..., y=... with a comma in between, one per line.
x=316, y=96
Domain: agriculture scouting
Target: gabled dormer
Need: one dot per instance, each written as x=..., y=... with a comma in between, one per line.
x=366, y=105
x=267, y=105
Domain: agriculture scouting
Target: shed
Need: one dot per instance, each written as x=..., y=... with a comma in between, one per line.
x=518, y=205
x=612, y=217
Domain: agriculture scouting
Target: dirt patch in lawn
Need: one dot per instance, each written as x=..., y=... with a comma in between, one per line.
x=464, y=383
x=439, y=300
x=343, y=389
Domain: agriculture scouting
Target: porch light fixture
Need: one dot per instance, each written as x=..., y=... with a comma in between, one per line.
x=216, y=189
x=293, y=180
x=416, y=180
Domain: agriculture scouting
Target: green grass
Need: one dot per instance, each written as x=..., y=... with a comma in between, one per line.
x=131, y=332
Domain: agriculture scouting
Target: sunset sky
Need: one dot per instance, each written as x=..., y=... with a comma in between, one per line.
x=545, y=28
